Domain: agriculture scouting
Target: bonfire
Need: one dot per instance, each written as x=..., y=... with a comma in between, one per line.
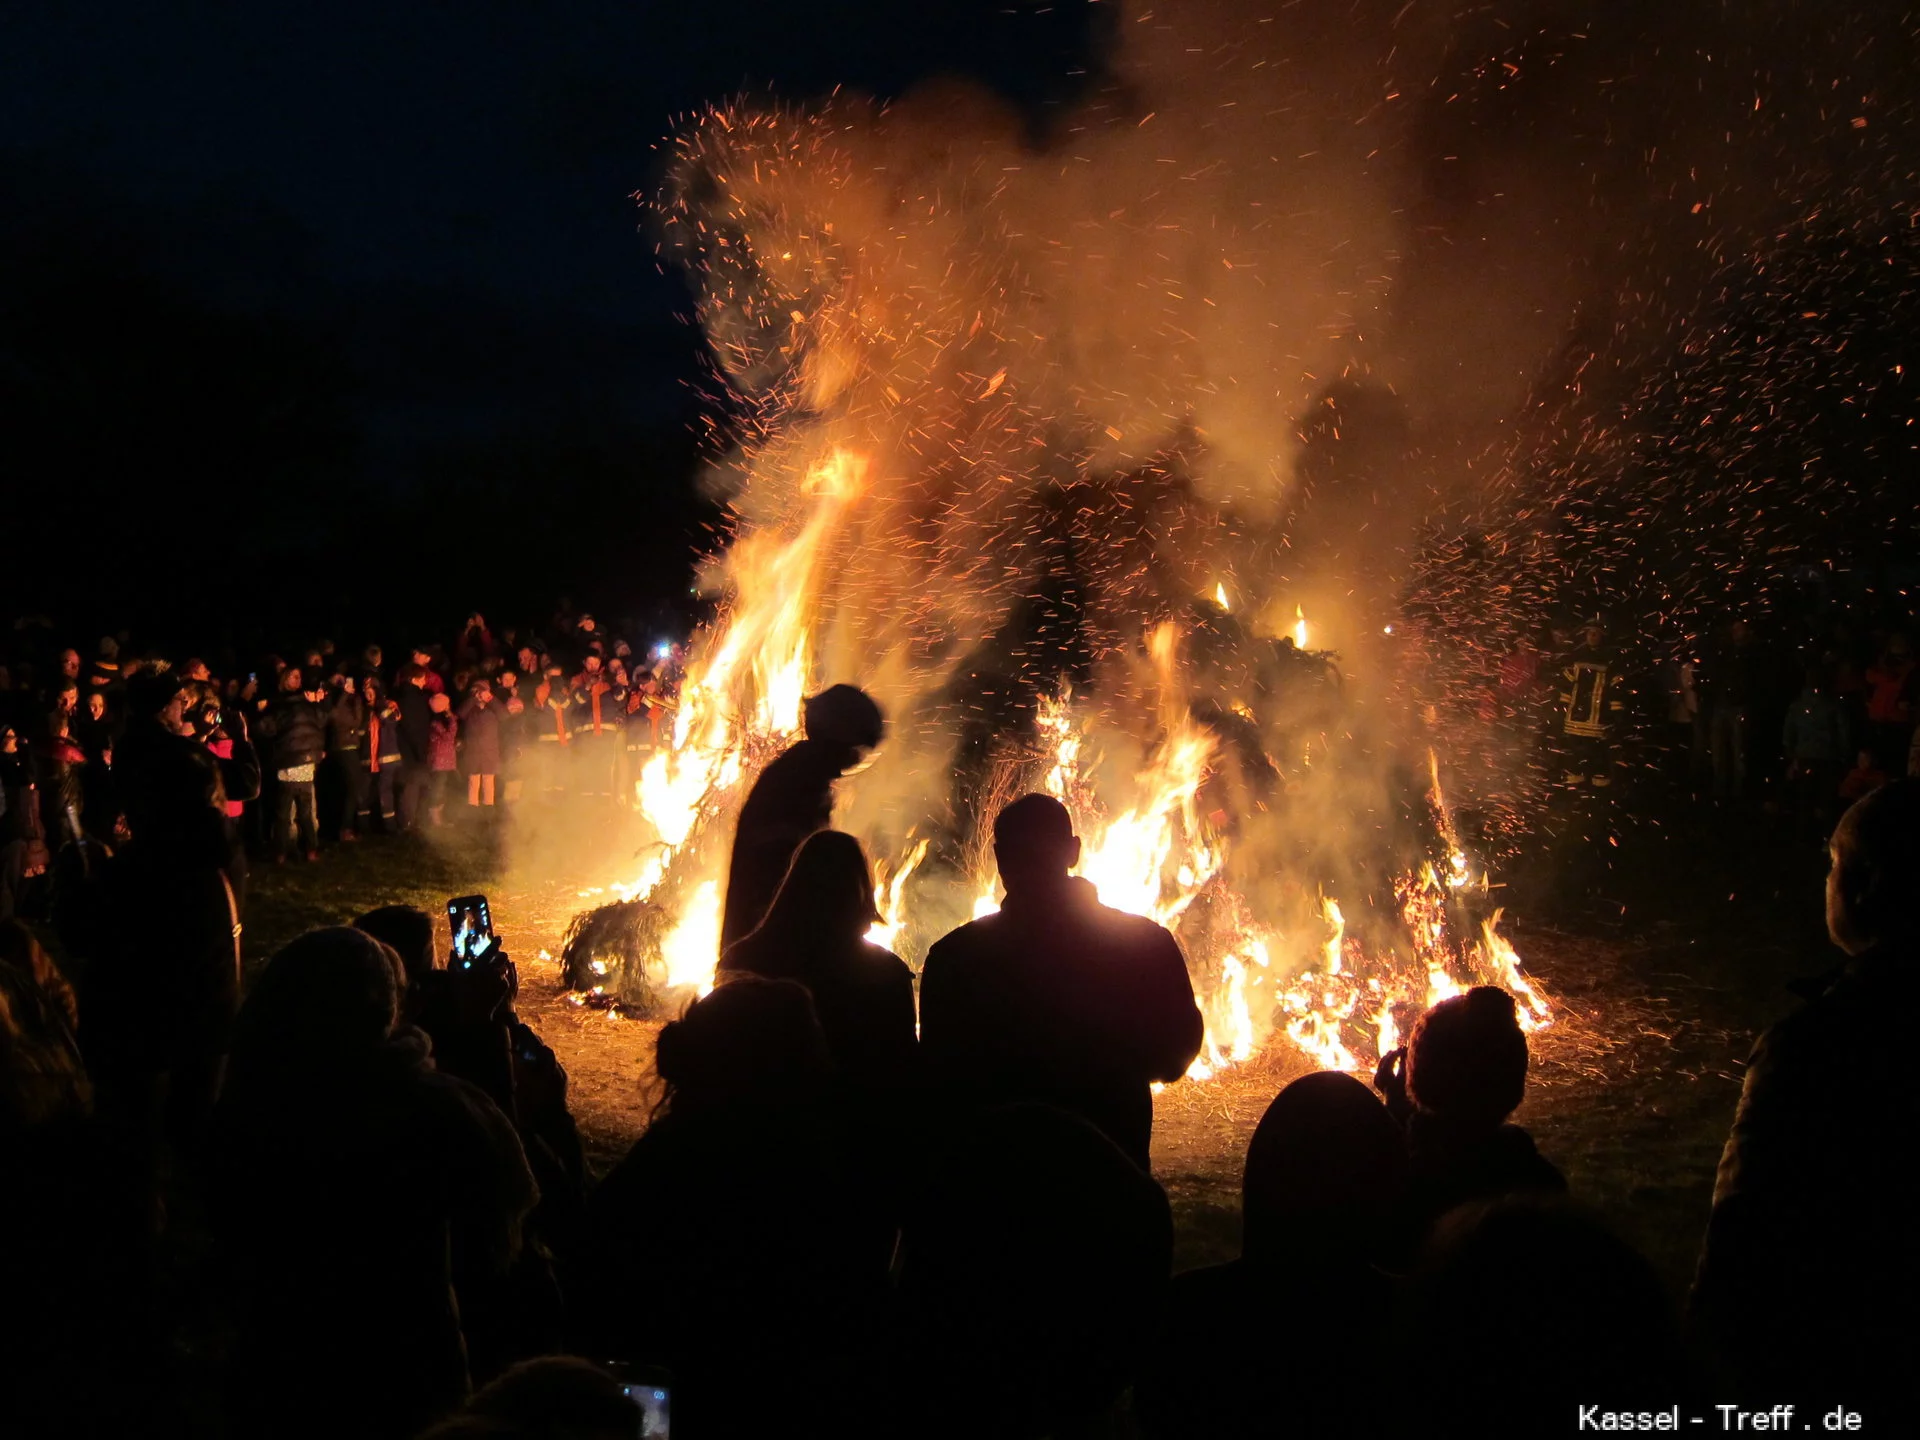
x=919, y=511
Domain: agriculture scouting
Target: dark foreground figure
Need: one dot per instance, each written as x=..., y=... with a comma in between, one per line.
x=1812, y=1257
x=1463, y=1074
x=1030, y=1274
x=734, y=1245
x=793, y=798
x=1413, y=1273
x=816, y=933
x=356, y=1189
x=1323, y=1173
x=1058, y=999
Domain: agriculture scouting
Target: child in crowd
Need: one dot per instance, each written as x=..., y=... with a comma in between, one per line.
x=1463, y=1075
x=481, y=720
x=443, y=755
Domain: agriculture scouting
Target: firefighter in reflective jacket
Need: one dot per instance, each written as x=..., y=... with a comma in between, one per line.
x=1593, y=698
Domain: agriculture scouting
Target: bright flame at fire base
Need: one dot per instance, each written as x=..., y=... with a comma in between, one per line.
x=1336, y=1000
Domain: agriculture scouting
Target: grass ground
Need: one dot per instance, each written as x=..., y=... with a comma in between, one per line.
x=1657, y=999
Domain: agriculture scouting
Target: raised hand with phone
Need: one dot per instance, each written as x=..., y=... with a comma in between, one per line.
x=520, y=1070
x=481, y=976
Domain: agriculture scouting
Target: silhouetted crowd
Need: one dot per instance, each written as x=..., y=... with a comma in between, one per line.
x=315, y=743
x=357, y=1201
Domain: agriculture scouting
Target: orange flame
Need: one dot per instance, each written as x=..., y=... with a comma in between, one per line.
x=1154, y=857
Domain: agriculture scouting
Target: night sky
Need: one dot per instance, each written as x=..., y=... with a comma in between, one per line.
x=360, y=291
x=344, y=319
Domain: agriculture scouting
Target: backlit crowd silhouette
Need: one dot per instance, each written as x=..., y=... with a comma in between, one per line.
x=868, y=1203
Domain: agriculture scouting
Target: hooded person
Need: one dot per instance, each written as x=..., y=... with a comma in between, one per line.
x=355, y=1190
x=733, y=1243
x=793, y=798
x=1323, y=1172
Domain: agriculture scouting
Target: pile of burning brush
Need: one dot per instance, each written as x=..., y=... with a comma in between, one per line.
x=979, y=482
x=1329, y=935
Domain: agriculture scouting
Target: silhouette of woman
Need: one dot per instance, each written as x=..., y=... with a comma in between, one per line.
x=815, y=932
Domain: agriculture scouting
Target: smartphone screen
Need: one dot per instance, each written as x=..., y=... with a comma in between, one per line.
x=652, y=1400
x=472, y=926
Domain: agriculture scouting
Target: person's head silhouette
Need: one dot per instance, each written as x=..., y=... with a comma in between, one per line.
x=408, y=932
x=827, y=896
x=1498, y=1274
x=1875, y=878
x=554, y=1395
x=1327, y=1160
x=846, y=716
x=751, y=1040
x=1467, y=1058
x=1034, y=844
x=328, y=999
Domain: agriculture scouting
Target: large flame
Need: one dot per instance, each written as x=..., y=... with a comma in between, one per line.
x=934, y=474
x=1153, y=855
x=745, y=688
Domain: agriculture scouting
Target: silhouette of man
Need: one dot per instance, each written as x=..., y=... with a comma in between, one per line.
x=1812, y=1254
x=793, y=798
x=1058, y=999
